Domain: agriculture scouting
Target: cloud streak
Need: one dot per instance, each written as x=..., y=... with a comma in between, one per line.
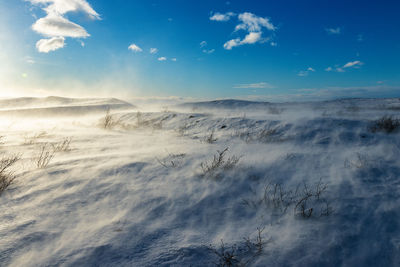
x=260, y=85
x=352, y=64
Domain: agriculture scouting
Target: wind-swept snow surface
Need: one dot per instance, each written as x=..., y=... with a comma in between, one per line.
x=202, y=184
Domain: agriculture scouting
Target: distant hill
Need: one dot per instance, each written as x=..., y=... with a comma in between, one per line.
x=53, y=105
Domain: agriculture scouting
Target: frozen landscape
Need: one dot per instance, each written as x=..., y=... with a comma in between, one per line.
x=105, y=182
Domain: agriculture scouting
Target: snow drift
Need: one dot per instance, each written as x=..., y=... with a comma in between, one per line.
x=298, y=184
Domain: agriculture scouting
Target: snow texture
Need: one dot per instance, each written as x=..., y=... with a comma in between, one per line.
x=135, y=194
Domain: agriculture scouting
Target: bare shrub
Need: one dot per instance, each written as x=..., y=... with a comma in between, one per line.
x=30, y=140
x=219, y=163
x=386, y=124
x=306, y=201
x=63, y=146
x=241, y=255
x=6, y=176
x=108, y=121
x=172, y=160
x=226, y=256
x=263, y=136
x=361, y=161
x=45, y=155
x=210, y=139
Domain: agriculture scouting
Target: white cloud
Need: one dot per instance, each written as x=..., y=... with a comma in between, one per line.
x=353, y=64
x=162, y=58
x=304, y=73
x=251, y=38
x=52, y=44
x=253, y=86
x=222, y=17
x=273, y=44
x=232, y=43
x=333, y=30
x=254, y=26
x=135, y=48
x=253, y=23
x=208, y=51
x=64, y=6
x=203, y=44
x=174, y=59
x=55, y=26
x=153, y=50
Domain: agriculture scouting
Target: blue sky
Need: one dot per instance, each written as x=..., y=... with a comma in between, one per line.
x=278, y=50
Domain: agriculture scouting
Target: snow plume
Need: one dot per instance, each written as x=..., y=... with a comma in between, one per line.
x=56, y=27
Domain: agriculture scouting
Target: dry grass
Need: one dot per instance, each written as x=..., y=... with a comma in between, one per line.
x=385, y=124
x=241, y=255
x=108, y=122
x=172, y=160
x=63, y=146
x=6, y=176
x=211, y=139
x=219, y=163
x=306, y=201
x=34, y=139
x=45, y=155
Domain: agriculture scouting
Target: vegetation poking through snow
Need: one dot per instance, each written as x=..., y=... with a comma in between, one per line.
x=241, y=255
x=34, y=139
x=45, y=155
x=63, y=146
x=172, y=160
x=211, y=139
x=109, y=121
x=305, y=201
x=219, y=163
x=6, y=176
x=386, y=124
x=262, y=136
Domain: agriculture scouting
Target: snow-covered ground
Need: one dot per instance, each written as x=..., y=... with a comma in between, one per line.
x=300, y=184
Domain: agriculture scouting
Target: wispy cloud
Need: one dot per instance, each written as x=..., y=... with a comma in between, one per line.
x=208, y=51
x=254, y=26
x=253, y=85
x=52, y=44
x=135, y=48
x=55, y=26
x=352, y=64
x=337, y=30
x=203, y=44
x=153, y=50
x=304, y=73
x=222, y=17
x=173, y=59
x=162, y=59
